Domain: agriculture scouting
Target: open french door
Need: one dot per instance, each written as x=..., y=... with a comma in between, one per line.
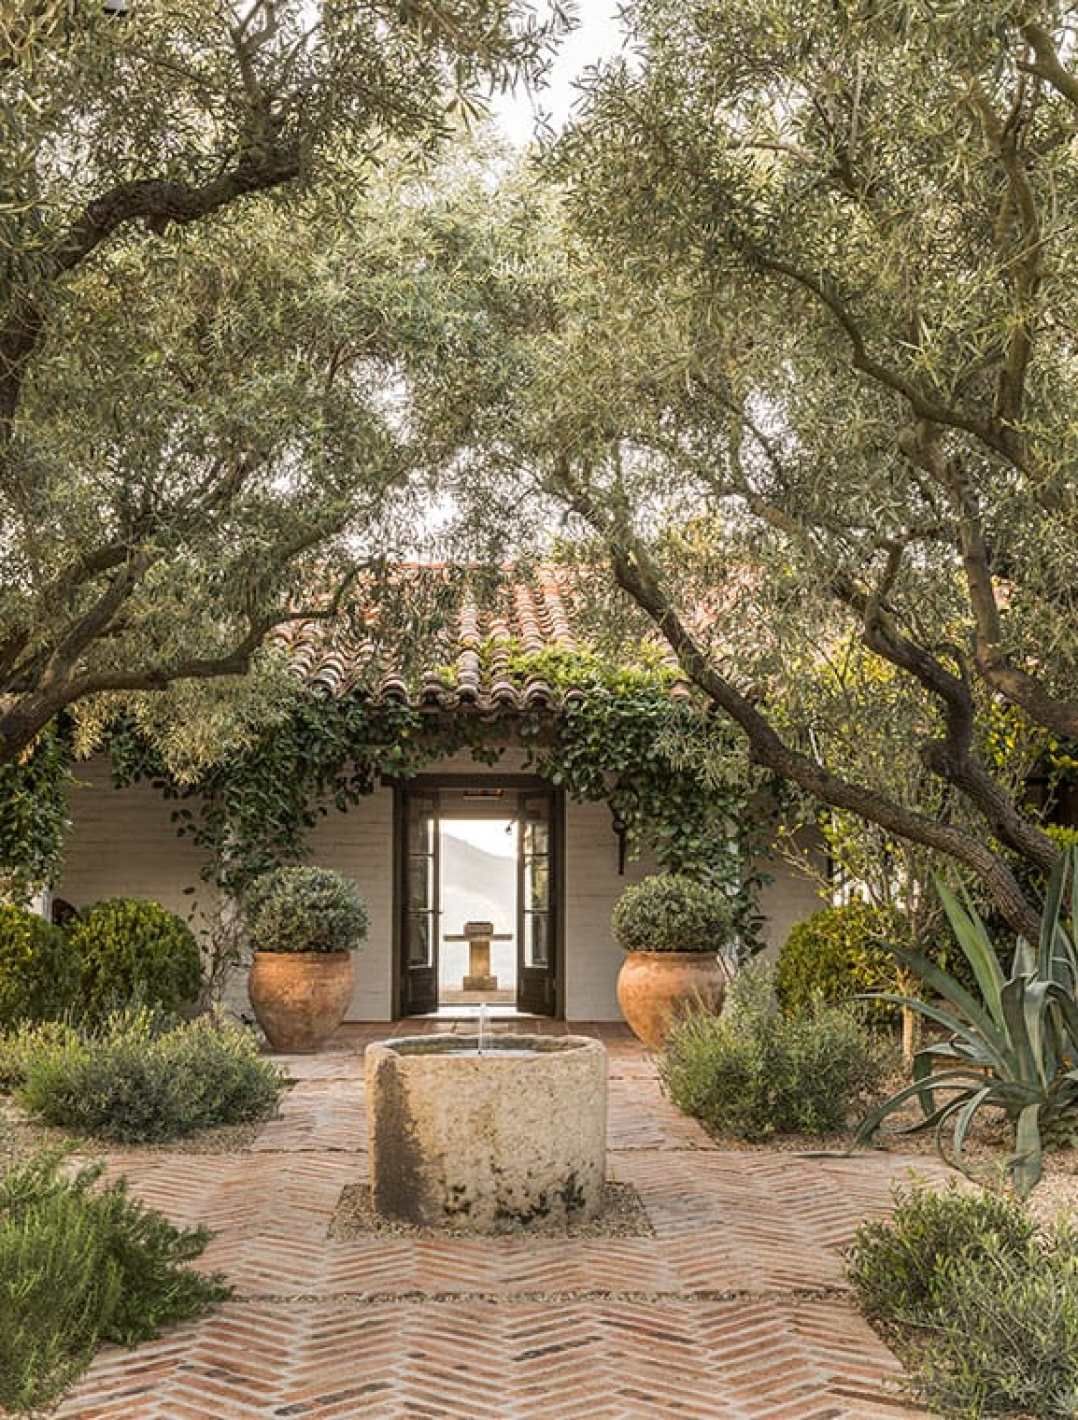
x=421, y=921
x=536, y=916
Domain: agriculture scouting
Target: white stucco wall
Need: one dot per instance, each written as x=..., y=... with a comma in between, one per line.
x=592, y=886
x=791, y=896
x=359, y=844
x=124, y=842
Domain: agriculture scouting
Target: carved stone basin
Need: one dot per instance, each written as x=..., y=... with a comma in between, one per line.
x=486, y=1141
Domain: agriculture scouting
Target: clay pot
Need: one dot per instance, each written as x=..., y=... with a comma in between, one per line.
x=655, y=987
x=299, y=998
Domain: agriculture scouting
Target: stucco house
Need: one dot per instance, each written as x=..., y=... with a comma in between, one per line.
x=465, y=842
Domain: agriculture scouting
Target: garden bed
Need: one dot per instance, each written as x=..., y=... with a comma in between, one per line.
x=21, y=1136
x=987, y=1148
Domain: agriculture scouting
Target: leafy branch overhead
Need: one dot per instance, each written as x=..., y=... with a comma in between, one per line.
x=807, y=296
x=192, y=367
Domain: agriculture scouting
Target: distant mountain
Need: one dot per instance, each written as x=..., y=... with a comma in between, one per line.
x=477, y=886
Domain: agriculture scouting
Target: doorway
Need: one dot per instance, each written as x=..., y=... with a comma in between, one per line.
x=478, y=899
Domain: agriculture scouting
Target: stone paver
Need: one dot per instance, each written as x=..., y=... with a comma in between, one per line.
x=736, y=1308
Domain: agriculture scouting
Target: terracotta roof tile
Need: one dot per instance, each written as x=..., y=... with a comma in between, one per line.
x=469, y=666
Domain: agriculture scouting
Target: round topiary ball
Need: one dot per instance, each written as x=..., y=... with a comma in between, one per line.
x=135, y=950
x=837, y=954
x=306, y=910
x=39, y=968
x=673, y=913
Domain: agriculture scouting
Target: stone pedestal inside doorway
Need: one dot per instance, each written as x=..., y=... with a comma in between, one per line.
x=479, y=936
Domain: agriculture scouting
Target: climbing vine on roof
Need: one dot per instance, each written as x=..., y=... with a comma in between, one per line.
x=607, y=739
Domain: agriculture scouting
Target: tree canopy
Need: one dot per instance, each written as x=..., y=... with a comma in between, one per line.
x=777, y=334
x=811, y=374
x=206, y=396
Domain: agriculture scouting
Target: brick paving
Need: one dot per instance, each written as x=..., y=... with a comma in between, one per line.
x=736, y=1308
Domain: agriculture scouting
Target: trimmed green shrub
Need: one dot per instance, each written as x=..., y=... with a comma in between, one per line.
x=981, y=1307
x=39, y=968
x=756, y=1070
x=27, y=1041
x=139, y=1081
x=306, y=910
x=896, y=1265
x=673, y=913
x=81, y=1265
x=135, y=951
x=835, y=954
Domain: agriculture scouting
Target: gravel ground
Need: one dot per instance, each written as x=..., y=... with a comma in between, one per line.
x=986, y=1151
x=20, y=1137
x=622, y=1216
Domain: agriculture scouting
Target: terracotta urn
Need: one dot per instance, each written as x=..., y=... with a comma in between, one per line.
x=299, y=998
x=655, y=987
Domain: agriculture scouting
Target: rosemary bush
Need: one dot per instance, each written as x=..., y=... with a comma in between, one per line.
x=756, y=1071
x=142, y=1079
x=981, y=1306
x=81, y=1265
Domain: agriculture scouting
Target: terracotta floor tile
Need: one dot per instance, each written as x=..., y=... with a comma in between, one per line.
x=702, y=1320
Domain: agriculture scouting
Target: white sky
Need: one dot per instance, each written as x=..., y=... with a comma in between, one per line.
x=597, y=37
x=494, y=836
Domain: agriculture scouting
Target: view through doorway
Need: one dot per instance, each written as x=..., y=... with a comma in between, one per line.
x=479, y=886
x=478, y=898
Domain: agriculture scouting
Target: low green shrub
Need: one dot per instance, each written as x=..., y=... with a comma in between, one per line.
x=140, y=1081
x=27, y=1041
x=836, y=954
x=81, y=1265
x=135, y=951
x=673, y=913
x=305, y=910
x=39, y=968
x=981, y=1307
x=844, y=952
x=896, y=1265
x=756, y=1070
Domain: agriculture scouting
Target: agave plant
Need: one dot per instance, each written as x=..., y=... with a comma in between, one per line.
x=1015, y=1048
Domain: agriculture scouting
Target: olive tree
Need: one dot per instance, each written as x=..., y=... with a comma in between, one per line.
x=204, y=398
x=808, y=371
x=868, y=212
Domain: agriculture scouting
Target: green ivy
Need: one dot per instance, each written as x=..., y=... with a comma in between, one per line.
x=608, y=743
x=34, y=816
x=255, y=811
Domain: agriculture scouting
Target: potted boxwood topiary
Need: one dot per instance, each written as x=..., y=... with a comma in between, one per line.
x=673, y=930
x=304, y=923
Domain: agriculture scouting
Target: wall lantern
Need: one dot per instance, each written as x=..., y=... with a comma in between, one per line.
x=620, y=828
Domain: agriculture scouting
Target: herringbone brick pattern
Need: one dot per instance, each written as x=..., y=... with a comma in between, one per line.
x=734, y=1309
x=758, y=1359
x=317, y=1114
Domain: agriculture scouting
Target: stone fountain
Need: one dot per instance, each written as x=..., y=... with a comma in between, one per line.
x=484, y=1135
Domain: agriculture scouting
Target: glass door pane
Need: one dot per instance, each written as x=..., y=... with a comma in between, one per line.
x=420, y=918
x=536, y=990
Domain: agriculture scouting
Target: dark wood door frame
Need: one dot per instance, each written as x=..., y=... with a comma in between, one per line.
x=517, y=782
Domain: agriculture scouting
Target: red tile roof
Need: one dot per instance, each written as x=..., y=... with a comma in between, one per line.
x=470, y=667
